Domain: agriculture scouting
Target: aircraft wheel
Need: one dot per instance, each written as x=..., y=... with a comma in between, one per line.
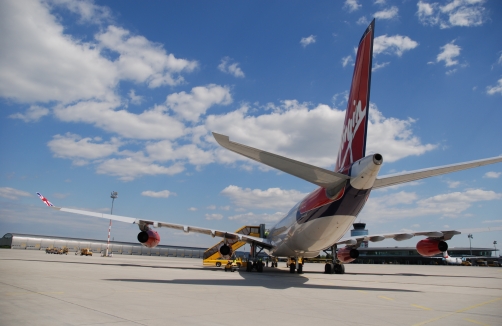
x=292, y=268
x=300, y=269
x=339, y=269
x=218, y=264
x=328, y=268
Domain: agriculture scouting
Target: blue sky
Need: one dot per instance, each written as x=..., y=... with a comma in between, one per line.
x=123, y=96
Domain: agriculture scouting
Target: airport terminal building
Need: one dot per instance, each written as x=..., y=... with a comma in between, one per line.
x=368, y=255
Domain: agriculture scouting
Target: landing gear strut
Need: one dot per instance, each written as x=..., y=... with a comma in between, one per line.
x=254, y=263
x=334, y=267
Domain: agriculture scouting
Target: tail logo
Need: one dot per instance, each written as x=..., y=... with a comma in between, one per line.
x=349, y=131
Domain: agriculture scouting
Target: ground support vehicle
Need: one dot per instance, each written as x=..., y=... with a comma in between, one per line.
x=85, y=252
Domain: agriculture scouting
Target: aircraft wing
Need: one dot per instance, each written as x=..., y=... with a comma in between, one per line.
x=157, y=224
x=402, y=177
x=356, y=240
x=316, y=175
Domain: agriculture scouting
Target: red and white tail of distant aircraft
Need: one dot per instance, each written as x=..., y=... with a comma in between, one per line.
x=323, y=217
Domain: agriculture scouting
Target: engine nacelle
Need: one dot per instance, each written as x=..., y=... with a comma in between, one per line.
x=347, y=254
x=149, y=238
x=431, y=247
x=225, y=250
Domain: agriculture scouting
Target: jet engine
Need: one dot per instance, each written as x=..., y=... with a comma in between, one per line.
x=225, y=250
x=347, y=254
x=149, y=238
x=431, y=247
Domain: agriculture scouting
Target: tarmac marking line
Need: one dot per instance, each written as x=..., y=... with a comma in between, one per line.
x=421, y=307
x=475, y=322
x=458, y=311
x=386, y=298
x=21, y=293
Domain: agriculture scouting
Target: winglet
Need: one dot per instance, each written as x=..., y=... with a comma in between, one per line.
x=45, y=200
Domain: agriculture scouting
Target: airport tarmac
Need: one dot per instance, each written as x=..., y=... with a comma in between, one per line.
x=43, y=289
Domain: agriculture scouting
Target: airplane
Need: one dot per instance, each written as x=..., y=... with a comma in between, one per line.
x=323, y=217
x=450, y=260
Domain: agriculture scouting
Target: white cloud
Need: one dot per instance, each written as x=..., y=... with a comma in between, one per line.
x=495, y=89
x=143, y=61
x=232, y=69
x=272, y=198
x=377, y=66
x=87, y=11
x=34, y=113
x=380, y=2
x=193, y=209
x=257, y=218
x=158, y=194
x=211, y=207
x=351, y=5
x=80, y=150
x=135, y=99
x=464, y=13
x=13, y=194
x=346, y=60
x=492, y=175
x=307, y=40
x=287, y=132
x=191, y=106
x=362, y=21
x=211, y=217
x=403, y=205
x=453, y=184
x=127, y=169
x=164, y=151
x=387, y=13
x=396, y=44
x=448, y=53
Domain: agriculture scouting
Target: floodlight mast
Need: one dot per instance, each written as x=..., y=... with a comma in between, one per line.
x=113, y=195
x=470, y=238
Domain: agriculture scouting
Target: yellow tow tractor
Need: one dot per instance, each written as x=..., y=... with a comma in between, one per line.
x=84, y=252
x=234, y=264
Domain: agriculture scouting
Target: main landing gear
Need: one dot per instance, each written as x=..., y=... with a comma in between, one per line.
x=295, y=264
x=334, y=267
x=254, y=263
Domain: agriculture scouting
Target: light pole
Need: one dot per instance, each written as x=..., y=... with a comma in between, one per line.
x=113, y=195
x=495, y=245
x=470, y=238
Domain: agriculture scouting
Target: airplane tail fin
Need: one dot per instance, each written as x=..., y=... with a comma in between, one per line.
x=45, y=200
x=353, y=142
x=445, y=254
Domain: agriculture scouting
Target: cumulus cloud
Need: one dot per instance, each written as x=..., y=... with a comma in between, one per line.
x=211, y=217
x=403, y=205
x=396, y=44
x=191, y=106
x=13, y=194
x=230, y=68
x=158, y=194
x=80, y=150
x=389, y=13
x=351, y=5
x=378, y=66
x=165, y=151
x=33, y=114
x=130, y=168
x=257, y=218
x=492, y=175
x=448, y=52
x=287, y=132
x=346, y=60
x=307, y=40
x=272, y=198
x=491, y=90
x=464, y=13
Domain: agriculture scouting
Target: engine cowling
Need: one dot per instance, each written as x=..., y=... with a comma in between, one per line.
x=347, y=254
x=149, y=238
x=225, y=250
x=431, y=247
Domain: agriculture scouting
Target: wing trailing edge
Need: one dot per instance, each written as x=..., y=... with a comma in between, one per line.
x=402, y=177
x=316, y=175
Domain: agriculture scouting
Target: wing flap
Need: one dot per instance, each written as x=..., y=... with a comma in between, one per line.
x=316, y=175
x=400, y=236
x=402, y=177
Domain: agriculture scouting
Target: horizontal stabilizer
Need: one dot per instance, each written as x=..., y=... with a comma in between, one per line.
x=316, y=175
x=402, y=177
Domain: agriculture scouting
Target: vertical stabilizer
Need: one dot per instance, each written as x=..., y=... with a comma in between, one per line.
x=353, y=142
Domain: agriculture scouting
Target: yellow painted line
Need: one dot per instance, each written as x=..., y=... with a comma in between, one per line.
x=386, y=298
x=476, y=322
x=362, y=291
x=421, y=307
x=458, y=311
